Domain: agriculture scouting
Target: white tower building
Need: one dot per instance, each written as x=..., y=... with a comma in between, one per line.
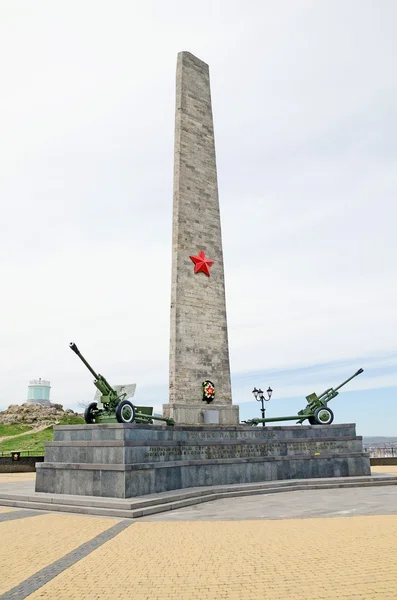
x=39, y=392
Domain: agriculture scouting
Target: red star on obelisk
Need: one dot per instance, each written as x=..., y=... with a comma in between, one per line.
x=201, y=263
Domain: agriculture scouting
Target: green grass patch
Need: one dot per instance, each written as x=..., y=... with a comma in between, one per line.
x=13, y=429
x=71, y=420
x=34, y=442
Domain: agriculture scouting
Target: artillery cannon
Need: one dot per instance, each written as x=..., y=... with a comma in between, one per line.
x=113, y=406
x=316, y=411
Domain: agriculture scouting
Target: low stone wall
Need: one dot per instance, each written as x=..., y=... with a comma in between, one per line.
x=26, y=464
x=384, y=461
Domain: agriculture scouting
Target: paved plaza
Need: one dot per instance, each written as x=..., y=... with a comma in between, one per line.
x=304, y=545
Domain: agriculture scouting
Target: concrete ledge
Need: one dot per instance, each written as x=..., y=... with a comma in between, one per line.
x=165, y=497
x=157, y=503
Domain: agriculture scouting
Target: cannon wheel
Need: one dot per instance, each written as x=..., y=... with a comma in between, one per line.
x=125, y=412
x=312, y=421
x=89, y=416
x=323, y=415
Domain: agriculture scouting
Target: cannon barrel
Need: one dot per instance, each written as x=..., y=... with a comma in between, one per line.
x=350, y=378
x=333, y=391
x=73, y=347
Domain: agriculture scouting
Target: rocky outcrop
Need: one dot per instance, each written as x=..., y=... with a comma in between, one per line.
x=34, y=414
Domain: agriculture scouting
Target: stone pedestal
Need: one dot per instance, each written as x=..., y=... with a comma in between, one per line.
x=194, y=414
x=123, y=461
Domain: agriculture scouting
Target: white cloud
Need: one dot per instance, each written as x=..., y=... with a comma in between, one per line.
x=304, y=97
x=292, y=386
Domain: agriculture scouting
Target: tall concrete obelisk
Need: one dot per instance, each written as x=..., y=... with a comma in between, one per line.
x=199, y=348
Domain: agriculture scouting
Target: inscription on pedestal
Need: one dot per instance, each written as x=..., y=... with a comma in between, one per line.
x=243, y=450
x=230, y=435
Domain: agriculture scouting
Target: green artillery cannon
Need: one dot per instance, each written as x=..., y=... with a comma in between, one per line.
x=114, y=407
x=316, y=411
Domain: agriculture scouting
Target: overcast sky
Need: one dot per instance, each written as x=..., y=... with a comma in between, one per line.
x=305, y=112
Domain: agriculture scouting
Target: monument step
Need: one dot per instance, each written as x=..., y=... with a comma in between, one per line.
x=171, y=501
x=193, y=442
x=142, y=466
x=110, y=432
x=167, y=497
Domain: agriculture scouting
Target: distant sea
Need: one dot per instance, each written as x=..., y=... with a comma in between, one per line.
x=369, y=440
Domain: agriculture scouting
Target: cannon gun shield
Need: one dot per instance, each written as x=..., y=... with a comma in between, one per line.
x=113, y=404
x=126, y=390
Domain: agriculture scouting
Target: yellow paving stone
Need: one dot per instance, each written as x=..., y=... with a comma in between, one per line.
x=381, y=469
x=15, y=477
x=30, y=544
x=351, y=558
x=4, y=509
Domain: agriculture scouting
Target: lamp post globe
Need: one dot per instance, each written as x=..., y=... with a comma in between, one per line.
x=260, y=397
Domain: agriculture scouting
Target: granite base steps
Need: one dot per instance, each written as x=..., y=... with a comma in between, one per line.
x=158, y=503
x=131, y=461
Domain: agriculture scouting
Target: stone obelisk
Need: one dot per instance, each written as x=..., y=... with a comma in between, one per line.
x=199, y=350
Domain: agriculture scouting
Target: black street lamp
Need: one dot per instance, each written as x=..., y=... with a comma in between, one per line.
x=259, y=396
